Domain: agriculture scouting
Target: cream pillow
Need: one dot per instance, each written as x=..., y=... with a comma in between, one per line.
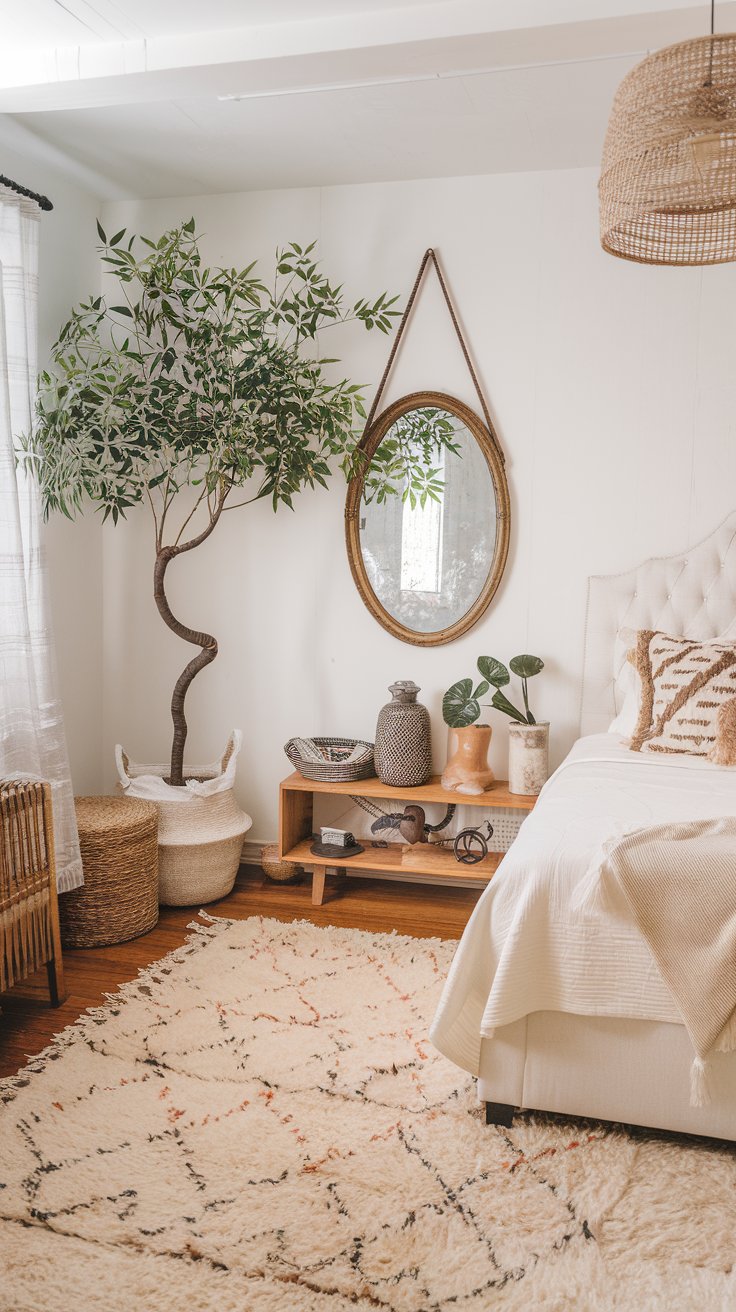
x=628, y=684
x=688, y=697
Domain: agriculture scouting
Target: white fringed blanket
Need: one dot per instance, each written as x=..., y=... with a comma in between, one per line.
x=680, y=883
x=538, y=940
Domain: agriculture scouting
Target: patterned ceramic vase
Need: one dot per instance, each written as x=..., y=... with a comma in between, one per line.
x=403, y=750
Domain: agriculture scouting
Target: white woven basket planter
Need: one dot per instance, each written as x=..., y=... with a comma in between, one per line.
x=201, y=826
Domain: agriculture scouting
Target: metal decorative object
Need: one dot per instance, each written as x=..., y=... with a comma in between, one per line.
x=403, y=749
x=410, y=823
x=471, y=845
x=668, y=176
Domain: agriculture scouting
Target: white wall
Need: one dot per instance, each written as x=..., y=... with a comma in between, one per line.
x=613, y=389
x=68, y=271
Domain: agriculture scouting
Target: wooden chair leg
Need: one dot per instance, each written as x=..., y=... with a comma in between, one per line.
x=500, y=1113
x=54, y=967
x=55, y=973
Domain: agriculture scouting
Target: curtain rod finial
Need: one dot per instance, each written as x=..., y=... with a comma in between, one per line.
x=43, y=202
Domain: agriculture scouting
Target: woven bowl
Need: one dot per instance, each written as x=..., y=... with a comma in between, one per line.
x=333, y=771
x=281, y=872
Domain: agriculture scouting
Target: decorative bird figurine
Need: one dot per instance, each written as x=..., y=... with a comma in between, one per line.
x=411, y=823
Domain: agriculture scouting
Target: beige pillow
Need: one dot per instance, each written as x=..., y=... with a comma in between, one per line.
x=688, y=697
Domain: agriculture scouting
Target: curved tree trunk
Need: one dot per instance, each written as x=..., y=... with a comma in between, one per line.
x=198, y=662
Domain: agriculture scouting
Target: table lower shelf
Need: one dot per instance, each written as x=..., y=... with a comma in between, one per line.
x=419, y=862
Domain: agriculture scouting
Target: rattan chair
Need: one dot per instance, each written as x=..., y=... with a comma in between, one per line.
x=29, y=909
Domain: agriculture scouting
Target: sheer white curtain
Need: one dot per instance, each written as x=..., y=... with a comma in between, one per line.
x=32, y=739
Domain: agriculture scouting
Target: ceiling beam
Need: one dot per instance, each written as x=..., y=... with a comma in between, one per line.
x=399, y=43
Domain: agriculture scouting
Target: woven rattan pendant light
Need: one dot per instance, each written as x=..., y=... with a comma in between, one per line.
x=668, y=177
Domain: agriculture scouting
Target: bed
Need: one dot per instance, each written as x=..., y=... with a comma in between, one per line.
x=553, y=1001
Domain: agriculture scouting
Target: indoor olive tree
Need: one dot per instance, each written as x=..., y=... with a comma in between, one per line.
x=195, y=377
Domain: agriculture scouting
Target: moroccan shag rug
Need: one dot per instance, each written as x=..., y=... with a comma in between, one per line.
x=259, y=1124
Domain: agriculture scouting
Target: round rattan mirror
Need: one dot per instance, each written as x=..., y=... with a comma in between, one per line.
x=427, y=518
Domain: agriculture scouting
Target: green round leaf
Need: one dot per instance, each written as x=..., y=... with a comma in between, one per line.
x=526, y=666
x=501, y=703
x=493, y=671
x=459, y=707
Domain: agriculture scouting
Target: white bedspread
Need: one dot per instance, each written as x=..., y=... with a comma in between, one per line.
x=534, y=942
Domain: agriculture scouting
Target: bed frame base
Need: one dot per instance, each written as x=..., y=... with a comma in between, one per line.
x=500, y=1113
x=607, y=1068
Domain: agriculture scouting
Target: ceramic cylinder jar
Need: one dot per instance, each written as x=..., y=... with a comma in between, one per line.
x=403, y=750
x=528, y=758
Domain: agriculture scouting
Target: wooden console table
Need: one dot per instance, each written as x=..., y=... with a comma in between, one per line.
x=422, y=862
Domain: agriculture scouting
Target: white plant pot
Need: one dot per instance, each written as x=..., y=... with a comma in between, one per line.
x=528, y=758
x=200, y=829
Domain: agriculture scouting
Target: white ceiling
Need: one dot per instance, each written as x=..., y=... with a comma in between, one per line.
x=40, y=23
x=185, y=97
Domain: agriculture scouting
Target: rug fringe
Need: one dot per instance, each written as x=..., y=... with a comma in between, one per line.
x=200, y=935
x=202, y=930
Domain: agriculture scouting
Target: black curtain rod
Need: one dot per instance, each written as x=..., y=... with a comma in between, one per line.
x=43, y=202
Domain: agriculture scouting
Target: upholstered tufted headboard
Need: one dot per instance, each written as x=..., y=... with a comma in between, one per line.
x=693, y=595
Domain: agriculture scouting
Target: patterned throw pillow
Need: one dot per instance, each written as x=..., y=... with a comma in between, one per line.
x=688, y=697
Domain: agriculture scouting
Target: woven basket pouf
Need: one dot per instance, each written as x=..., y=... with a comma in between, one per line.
x=118, y=837
x=280, y=872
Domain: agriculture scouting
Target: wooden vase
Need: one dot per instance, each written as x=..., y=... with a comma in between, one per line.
x=467, y=770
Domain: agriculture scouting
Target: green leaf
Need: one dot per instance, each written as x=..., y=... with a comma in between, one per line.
x=481, y=690
x=493, y=671
x=459, y=707
x=214, y=388
x=502, y=703
x=525, y=667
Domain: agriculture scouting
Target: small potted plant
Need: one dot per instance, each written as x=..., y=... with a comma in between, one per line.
x=528, y=738
x=467, y=771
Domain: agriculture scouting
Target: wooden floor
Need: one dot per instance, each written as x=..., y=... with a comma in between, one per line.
x=28, y=1023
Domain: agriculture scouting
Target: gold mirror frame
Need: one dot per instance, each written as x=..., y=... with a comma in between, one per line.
x=488, y=443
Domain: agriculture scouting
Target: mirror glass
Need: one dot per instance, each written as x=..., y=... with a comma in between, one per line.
x=427, y=520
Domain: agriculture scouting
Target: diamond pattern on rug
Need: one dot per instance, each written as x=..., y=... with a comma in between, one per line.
x=259, y=1124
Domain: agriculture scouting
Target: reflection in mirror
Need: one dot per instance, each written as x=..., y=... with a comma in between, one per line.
x=428, y=520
